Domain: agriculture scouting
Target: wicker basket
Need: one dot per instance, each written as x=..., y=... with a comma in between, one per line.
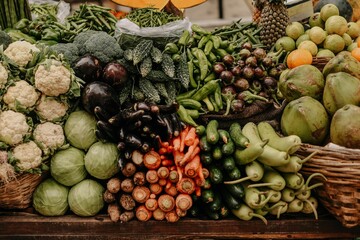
x=17, y=193
x=340, y=194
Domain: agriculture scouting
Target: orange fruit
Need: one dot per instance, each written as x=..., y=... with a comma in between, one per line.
x=358, y=41
x=299, y=57
x=356, y=53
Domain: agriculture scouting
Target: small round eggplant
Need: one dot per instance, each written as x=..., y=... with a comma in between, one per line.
x=100, y=94
x=228, y=59
x=241, y=84
x=227, y=77
x=115, y=75
x=218, y=68
x=237, y=105
x=88, y=68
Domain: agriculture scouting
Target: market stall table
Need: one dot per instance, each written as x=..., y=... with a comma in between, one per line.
x=23, y=225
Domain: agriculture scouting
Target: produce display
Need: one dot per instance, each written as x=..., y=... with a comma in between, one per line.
x=115, y=118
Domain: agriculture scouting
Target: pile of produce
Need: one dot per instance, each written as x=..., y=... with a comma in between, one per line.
x=116, y=118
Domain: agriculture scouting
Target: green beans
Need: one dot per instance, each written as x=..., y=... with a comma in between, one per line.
x=150, y=17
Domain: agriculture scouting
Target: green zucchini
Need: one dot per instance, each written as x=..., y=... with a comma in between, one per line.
x=236, y=190
x=206, y=158
x=215, y=174
x=236, y=135
x=212, y=134
x=204, y=144
x=228, y=148
x=207, y=195
x=234, y=174
x=229, y=199
x=217, y=153
x=228, y=163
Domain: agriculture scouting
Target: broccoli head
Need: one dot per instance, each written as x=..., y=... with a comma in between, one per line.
x=69, y=50
x=5, y=39
x=104, y=47
x=81, y=38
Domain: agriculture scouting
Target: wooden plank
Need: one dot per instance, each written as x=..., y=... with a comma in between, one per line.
x=27, y=226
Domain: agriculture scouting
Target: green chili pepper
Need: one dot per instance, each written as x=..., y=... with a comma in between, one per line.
x=196, y=28
x=185, y=95
x=208, y=104
x=185, y=117
x=203, y=65
x=171, y=48
x=221, y=52
x=224, y=44
x=193, y=83
x=189, y=55
x=218, y=98
x=213, y=102
x=185, y=37
x=212, y=57
x=50, y=34
x=209, y=77
x=208, y=47
x=207, y=89
x=203, y=41
x=216, y=41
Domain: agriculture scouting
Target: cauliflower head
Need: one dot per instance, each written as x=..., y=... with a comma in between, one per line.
x=49, y=136
x=50, y=109
x=4, y=75
x=21, y=52
x=28, y=156
x=52, y=78
x=21, y=95
x=13, y=127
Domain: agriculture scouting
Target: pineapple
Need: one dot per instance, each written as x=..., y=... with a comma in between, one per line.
x=274, y=19
x=256, y=15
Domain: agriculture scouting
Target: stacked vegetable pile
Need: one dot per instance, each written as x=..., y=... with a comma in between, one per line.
x=119, y=124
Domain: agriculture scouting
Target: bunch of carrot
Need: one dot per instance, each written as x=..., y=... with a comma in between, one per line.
x=174, y=173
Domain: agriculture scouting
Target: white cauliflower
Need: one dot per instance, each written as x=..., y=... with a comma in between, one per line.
x=49, y=136
x=51, y=109
x=13, y=127
x=3, y=76
x=28, y=155
x=21, y=52
x=21, y=96
x=52, y=78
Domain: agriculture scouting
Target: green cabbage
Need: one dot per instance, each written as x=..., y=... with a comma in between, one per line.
x=86, y=198
x=67, y=166
x=50, y=198
x=80, y=129
x=101, y=160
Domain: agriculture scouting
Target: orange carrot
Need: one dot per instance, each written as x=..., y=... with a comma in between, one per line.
x=200, y=174
x=189, y=153
x=180, y=212
x=162, y=182
x=191, y=168
x=183, y=134
x=140, y=194
x=190, y=137
x=170, y=149
x=176, y=143
x=162, y=151
x=159, y=214
x=198, y=191
x=151, y=204
x=167, y=162
x=152, y=176
x=183, y=201
x=155, y=188
x=173, y=176
x=166, y=202
x=178, y=156
x=186, y=185
x=180, y=172
x=152, y=160
x=171, y=190
x=163, y=172
x=143, y=214
x=172, y=216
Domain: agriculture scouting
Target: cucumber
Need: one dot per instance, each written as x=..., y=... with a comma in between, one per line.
x=229, y=199
x=234, y=174
x=236, y=190
x=204, y=144
x=228, y=163
x=212, y=134
x=216, y=204
x=200, y=130
x=215, y=174
x=228, y=148
x=207, y=195
x=223, y=135
x=206, y=158
x=236, y=135
x=217, y=153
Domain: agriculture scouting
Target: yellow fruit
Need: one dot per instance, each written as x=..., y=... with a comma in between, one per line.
x=317, y=35
x=329, y=10
x=336, y=25
x=334, y=43
x=310, y=46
